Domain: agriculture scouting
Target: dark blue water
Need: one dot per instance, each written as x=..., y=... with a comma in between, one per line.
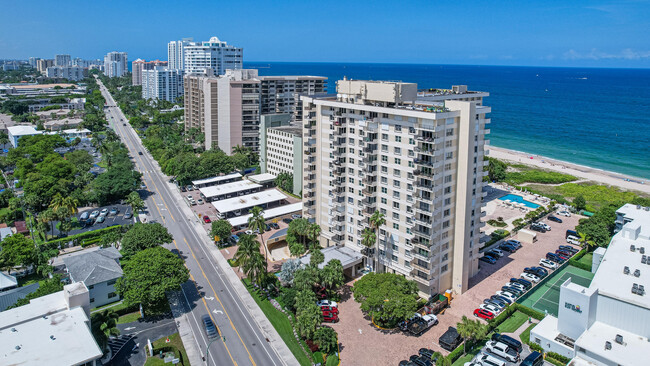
x=594, y=117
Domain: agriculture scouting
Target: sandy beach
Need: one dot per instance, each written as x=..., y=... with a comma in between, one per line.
x=597, y=175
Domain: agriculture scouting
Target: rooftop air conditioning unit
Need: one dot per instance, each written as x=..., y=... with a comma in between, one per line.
x=642, y=250
x=637, y=273
x=641, y=290
x=638, y=207
x=643, y=259
x=647, y=208
x=635, y=288
x=632, y=248
x=608, y=345
x=626, y=270
x=619, y=339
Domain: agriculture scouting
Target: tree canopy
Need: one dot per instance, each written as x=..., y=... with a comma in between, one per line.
x=600, y=226
x=16, y=250
x=386, y=297
x=149, y=274
x=145, y=236
x=221, y=229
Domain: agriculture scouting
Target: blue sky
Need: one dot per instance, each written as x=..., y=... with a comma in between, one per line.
x=545, y=33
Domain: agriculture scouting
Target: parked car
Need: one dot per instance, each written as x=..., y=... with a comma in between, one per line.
x=507, y=248
x=571, y=233
x=527, y=284
x=100, y=219
x=564, y=213
x=210, y=328
x=249, y=232
x=516, y=291
x=483, y=314
x=496, y=300
x=561, y=256
x=488, y=259
x=492, y=255
x=190, y=187
x=553, y=218
x=537, y=228
x=564, y=253
x=329, y=309
x=200, y=201
x=537, y=271
x=274, y=226
x=569, y=249
x=93, y=215
x=287, y=221
x=502, y=350
x=330, y=317
x=544, y=225
x=189, y=197
x=514, y=243
x=516, y=285
x=490, y=308
x=547, y=263
x=296, y=216
x=234, y=239
x=128, y=215
x=406, y=363
x=502, y=298
x=488, y=360
x=103, y=212
x=529, y=277
x=267, y=227
x=497, y=304
x=450, y=339
x=84, y=216
x=421, y=360
x=327, y=303
x=533, y=359
x=509, y=341
x=508, y=295
x=426, y=352
x=498, y=252
x=139, y=152
x=113, y=211
x=206, y=219
x=183, y=189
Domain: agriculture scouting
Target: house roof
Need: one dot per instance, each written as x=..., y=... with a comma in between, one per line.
x=94, y=267
x=5, y=232
x=21, y=226
x=7, y=281
x=10, y=297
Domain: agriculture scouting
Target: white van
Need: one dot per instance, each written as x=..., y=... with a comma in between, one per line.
x=573, y=240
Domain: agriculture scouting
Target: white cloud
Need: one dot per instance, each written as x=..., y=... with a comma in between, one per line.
x=594, y=54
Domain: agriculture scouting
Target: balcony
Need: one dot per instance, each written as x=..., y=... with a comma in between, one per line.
x=423, y=221
x=369, y=191
x=420, y=265
x=337, y=229
x=368, y=211
x=338, y=218
x=369, y=203
x=311, y=211
x=338, y=171
x=420, y=256
x=337, y=153
x=338, y=239
x=309, y=187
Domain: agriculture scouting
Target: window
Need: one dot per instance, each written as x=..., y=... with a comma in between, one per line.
x=384, y=136
x=393, y=257
x=92, y=300
x=396, y=226
x=384, y=201
x=398, y=138
x=396, y=194
x=384, y=190
x=384, y=148
x=445, y=257
x=447, y=212
x=411, y=165
x=396, y=205
x=450, y=132
x=111, y=282
x=91, y=287
x=398, y=128
x=398, y=151
x=396, y=183
x=398, y=161
x=411, y=141
x=448, y=178
x=384, y=159
x=384, y=169
x=395, y=216
x=111, y=295
x=447, y=201
x=384, y=180
x=396, y=172
x=351, y=180
x=444, y=268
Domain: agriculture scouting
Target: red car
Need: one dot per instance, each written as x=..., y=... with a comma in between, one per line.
x=559, y=254
x=329, y=309
x=206, y=219
x=484, y=314
x=330, y=317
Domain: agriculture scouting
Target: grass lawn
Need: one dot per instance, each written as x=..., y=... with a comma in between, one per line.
x=174, y=342
x=516, y=320
x=586, y=259
x=281, y=324
x=114, y=306
x=128, y=318
x=29, y=279
x=525, y=335
x=470, y=354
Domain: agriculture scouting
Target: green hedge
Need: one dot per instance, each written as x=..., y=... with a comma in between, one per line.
x=558, y=357
x=83, y=239
x=555, y=362
x=455, y=354
x=575, y=261
x=530, y=312
x=332, y=360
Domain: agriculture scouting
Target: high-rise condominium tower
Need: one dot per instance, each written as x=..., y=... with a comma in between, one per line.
x=115, y=64
x=62, y=60
x=176, y=53
x=214, y=54
x=417, y=158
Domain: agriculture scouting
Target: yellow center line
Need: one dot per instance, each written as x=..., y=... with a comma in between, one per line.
x=223, y=307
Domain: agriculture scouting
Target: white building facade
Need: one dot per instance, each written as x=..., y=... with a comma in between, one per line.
x=283, y=153
x=214, y=55
x=281, y=94
x=162, y=83
x=74, y=73
x=377, y=147
x=176, y=53
x=115, y=64
x=607, y=322
x=62, y=60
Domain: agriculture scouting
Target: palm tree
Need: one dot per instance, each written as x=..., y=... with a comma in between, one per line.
x=247, y=246
x=255, y=268
x=134, y=200
x=471, y=330
x=585, y=242
x=313, y=232
x=368, y=238
x=256, y=222
x=376, y=220
x=48, y=216
x=104, y=325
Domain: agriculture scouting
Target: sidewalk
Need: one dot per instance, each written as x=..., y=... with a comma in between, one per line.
x=184, y=329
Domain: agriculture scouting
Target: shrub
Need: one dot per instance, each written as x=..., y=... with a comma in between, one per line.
x=535, y=347
x=497, y=223
x=319, y=357
x=455, y=354
x=503, y=316
x=555, y=362
x=530, y=312
x=332, y=360
x=558, y=357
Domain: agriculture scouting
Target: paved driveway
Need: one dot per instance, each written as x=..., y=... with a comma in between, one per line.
x=132, y=352
x=368, y=345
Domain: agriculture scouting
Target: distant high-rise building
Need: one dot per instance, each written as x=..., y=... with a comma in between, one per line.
x=62, y=60
x=33, y=61
x=417, y=158
x=176, y=53
x=139, y=65
x=74, y=73
x=42, y=65
x=281, y=94
x=115, y=64
x=214, y=55
x=225, y=108
x=162, y=83
x=85, y=63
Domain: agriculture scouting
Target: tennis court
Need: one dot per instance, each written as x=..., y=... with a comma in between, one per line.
x=546, y=298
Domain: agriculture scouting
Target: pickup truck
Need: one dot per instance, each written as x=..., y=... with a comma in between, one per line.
x=419, y=323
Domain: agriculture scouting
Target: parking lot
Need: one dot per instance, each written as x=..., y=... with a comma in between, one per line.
x=110, y=220
x=366, y=343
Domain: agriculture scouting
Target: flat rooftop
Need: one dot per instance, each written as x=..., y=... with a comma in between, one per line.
x=293, y=77
x=216, y=179
x=268, y=214
x=228, y=188
x=610, y=279
x=262, y=178
x=295, y=130
x=247, y=201
x=347, y=256
x=42, y=86
x=23, y=130
x=633, y=351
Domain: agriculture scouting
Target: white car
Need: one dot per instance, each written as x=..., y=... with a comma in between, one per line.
x=484, y=359
x=498, y=252
x=502, y=350
x=573, y=240
x=491, y=308
x=529, y=277
x=516, y=285
x=548, y=264
x=327, y=303
x=508, y=295
x=545, y=226
x=249, y=232
x=564, y=213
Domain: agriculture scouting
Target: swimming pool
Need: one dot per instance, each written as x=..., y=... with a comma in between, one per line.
x=520, y=199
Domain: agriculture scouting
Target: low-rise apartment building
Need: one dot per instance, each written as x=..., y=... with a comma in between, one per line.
x=379, y=146
x=74, y=73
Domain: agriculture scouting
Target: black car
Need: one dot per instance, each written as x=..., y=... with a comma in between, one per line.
x=267, y=227
x=406, y=363
x=492, y=254
x=123, y=124
x=496, y=301
x=554, y=257
x=507, y=248
x=487, y=259
x=513, y=290
x=537, y=271
x=533, y=359
x=556, y=219
x=568, y=249
x=287, y=221
x=183, y=189
x=210, y=328
x=274, y=226
x=421, y=360
x=426, y=352
x=139, y=152
x=537, y=228
x=502, y=298
x=508, y=341
x=523, y=282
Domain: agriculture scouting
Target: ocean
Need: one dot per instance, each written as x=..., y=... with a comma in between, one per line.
x=594, y=117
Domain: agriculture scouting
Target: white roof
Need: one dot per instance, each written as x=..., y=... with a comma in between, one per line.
x=71, y=131
x=262, y=178
x=228, y=188
x=345, y=255
x=250, y=200
x=23, y=131
x=7, y=281
x=610, y=279
x=633, y=351
x=216, y=179
x=268, y=214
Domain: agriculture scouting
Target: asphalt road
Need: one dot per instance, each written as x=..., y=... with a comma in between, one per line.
x=129, y=354
x=208, y=291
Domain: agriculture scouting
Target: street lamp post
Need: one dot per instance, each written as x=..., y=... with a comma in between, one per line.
x=207, y=350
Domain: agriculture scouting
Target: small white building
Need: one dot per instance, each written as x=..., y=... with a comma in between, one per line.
x=608, y=322
x=53, y=329
x=238, y=206
x=16, y=132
